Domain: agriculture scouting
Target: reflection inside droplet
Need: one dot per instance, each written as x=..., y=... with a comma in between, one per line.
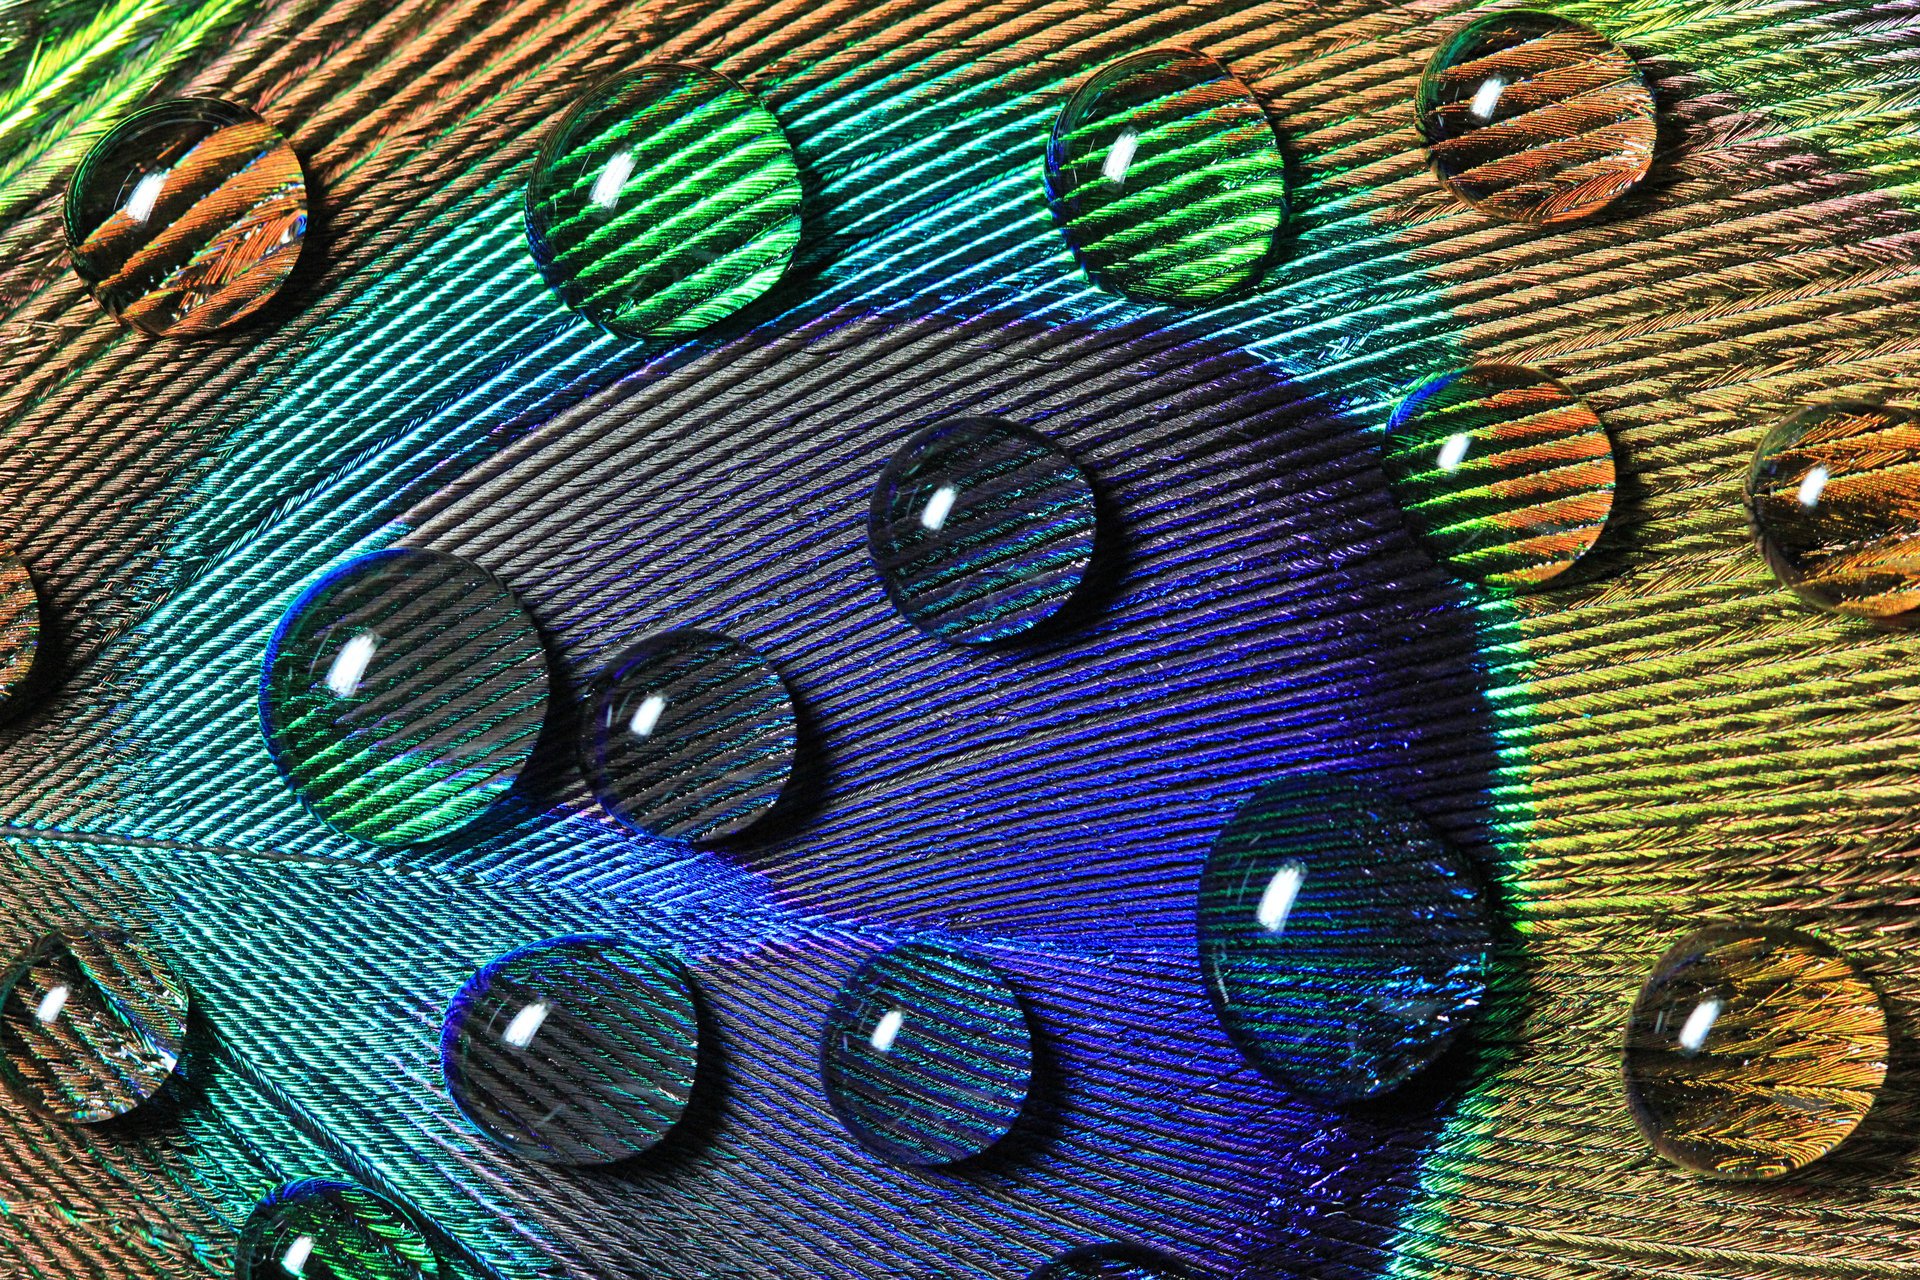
x=647, y=715
x=1120, y=155
x=1276, y=904
x=294, y=1262
x=1699, y=1024
x=887, y=1030
x=1454, y=451
x=606, y=187
x=934, y=515
x=1486, y=99
x=526, y=1024
x=349, y=666
x=1812, y=486
x=48, y=1010
x=146, y=193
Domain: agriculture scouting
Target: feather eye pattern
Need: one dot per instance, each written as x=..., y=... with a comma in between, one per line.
x=1668, y=737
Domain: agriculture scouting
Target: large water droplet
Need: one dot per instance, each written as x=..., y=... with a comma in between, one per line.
x=1504, y=474
x=575, y=1051
x=1753, y=1051
x=1835, y=505
x=402, y=695
x=187, y=216
x=19, y=623
x=1166, y=178
x=319, y=1229
x=1535, y=118
x=689, y=735
x=1111, y=1262
x=927, y=1056
x=1345, y=945
x=981, y=529
x=91, y=1024
x=664, y=201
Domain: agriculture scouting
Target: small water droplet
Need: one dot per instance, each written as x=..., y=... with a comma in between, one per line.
x=664, y=201
x=1503, y=473
x=19, y=623
x=1835, y=507
x=574, y=1051
x=690, y=735
x=92, y=1024
x=1535, y=118
x=1753, y=1051
x=1111, y=1262
x=981, y=529
x=320, y=1229
x=1166, y=178
x=402, y=695
x=927, y=1056
x=187, y=217
x=1344, y=943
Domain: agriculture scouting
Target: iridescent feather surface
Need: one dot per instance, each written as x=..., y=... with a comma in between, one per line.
x=1671, y=737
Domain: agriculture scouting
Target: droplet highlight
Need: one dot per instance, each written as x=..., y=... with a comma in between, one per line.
x=187, y=217
x=664, y=201
x=981, y=530
x=1534, y=118
x=92, y=1025
x=1752, y=1052
x=1505, y=475
x=690, y=735
x=321, y=1229
x=579, y=1051
x=1345, y=945
x=927, y=1057
x=1111, y=1262
x=19, y=624
x=402, y=695
x=1166, y=178
x=1834, y=498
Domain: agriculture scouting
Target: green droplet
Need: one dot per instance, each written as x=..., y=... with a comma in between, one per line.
x=1503, y=473
x=320, y=1229
x=665, y=200
x=1166, y=178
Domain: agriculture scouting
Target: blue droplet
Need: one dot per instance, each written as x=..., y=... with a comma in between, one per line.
x=1343, y=942
x=574, y=1051
x=981, y=530
x=690, y=735
x=927, y=1056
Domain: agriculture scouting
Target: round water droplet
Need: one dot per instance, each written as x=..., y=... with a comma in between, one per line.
x=574, y=1051
x=402, y=695
x=19, y=623
x=1835, y=505
x=187, y=216
x=689, y=735
x=1166, y=178
x=1504, y=474
x=319, y=1229
x=927, y=1056
x=981, y=530
x=1344, y=944
x=664, y=201
x=1535, y=118
x=1111, y=1262
x=1753, y=1051
x=91, y=1025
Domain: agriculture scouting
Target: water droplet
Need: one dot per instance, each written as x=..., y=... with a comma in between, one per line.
x=1166, y=178
x=187, y=216
x=319, y=1229
x=19, y=623
x=402, y=695
x=1534, y=118
x=1343, y=942
x=1753, y=1051
x=91, y=1024
x=1836, y=508
x=690, y=735
x=981, y=529
x=664, y=201
x=1111, y=1262
x=574, y=1051
x=927, y=1057
x=1504, y=474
